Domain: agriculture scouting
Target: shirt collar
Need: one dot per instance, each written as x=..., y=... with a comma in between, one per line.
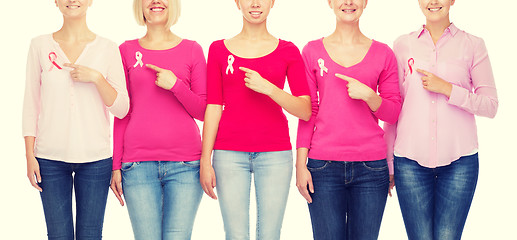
x=452, y=29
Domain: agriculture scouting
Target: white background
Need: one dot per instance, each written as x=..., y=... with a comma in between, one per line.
x=493, y=211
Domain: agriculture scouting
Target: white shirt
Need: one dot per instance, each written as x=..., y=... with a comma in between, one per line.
x=69, y=119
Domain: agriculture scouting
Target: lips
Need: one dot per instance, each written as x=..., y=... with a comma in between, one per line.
x=434, y=9
x=157, y=9
x=73, y=7
x=348, y=10
x=255, y=13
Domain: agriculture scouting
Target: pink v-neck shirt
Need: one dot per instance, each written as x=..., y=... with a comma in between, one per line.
x=432, y=129
x=160, y=125
x=342, y=128
x=69, y=119
x=251, y=121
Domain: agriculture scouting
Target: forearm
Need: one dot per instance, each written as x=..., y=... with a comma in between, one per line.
x=301, y=157
x=107, y=92
x=374, y=101
x=194, y=103
x=29, y=145
x=211, y=125
x=299, y=107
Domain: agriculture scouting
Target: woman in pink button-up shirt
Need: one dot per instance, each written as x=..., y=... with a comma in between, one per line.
x=445, y=80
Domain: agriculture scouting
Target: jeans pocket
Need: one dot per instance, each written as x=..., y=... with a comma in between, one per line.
x=126, y=166
x=378, y=165
x=316, y=165
x=194, y=164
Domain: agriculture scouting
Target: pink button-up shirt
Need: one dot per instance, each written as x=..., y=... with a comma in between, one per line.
x=69, y=119
x=432, y=129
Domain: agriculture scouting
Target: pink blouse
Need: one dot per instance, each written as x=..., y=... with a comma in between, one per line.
x=432, y=129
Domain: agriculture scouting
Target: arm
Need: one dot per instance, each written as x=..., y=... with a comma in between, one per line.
x=119, y=130
x=305, y=133
x=385, y=106
x=211, y=123
x=210, y=127
x=297, y=106
x=112, y=89
x=31, y=109
x=193, y=97
x=483, y=100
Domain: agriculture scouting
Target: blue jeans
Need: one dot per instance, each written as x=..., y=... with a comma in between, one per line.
x=435, y=201
x=162, y=198
x=349, y=198
x=272, y=175
x=91, y=182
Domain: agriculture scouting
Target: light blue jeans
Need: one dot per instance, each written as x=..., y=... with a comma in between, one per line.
x=272, y=177
x=162, y=198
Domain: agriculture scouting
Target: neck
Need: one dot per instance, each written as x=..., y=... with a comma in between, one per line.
x=254, y=31
x=74, y=29
x=347, y=32
x=158, y=33
x=436, y=29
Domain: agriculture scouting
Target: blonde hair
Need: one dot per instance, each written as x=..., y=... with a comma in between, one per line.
x=174, y=12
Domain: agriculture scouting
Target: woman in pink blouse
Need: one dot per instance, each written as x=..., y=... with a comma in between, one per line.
x=341, y=167
x=445, y=80
x=157, y=146
x=74, y=78
x=245, y=125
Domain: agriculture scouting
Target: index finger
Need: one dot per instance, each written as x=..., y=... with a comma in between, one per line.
x=155, y=68
x=71, y=65
x=346, y=78
x=246, y=70
x=423, y=71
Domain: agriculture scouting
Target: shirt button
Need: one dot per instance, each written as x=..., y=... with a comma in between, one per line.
x=432, y=101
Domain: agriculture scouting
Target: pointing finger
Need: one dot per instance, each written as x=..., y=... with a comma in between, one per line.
x=247, y=70
x=423, y=72
x=155, y=68
x=346, y=78
x=70, y=65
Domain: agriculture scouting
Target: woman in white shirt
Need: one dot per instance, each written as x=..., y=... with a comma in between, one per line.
x=74, y=78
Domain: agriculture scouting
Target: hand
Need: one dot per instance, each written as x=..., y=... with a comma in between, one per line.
x=255, y=82
x=84, y=74
x=392, y=184
x=33, y=172
x=433, y=83
x=304, y=182
x=116, y=185
x=356, y=89
x=207, y=180
x=164, y=78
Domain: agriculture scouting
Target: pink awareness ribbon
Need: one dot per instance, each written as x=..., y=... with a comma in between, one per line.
x=410, y=63
x=52, y=56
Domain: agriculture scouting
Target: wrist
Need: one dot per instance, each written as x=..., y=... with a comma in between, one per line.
x=98, y=79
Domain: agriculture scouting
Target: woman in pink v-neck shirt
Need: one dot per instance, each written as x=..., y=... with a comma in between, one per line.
x=346, y=179
x=157, y=146
x=445, y=80
x=245, y=126
x=66, y=122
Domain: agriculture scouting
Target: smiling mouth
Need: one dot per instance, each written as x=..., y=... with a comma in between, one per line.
x=73, y=7
x=348, y=10
x=255, y=13
x=157, y=9
x=435, y=9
